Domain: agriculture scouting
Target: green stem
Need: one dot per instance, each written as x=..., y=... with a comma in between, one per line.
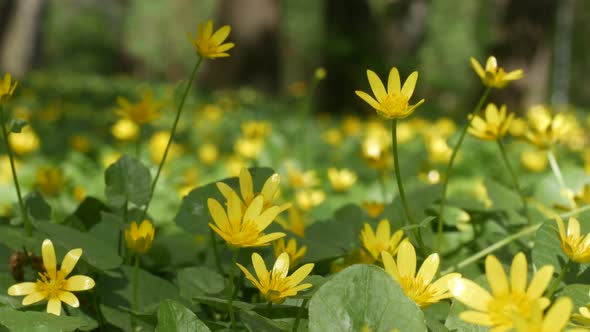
x=230, y=293
x=575, y=212
x=99, y=315
x=400, y=186
x=213, y=241
x=383, y=185
x=26, y=222
x=299, y=315
x=515, y=181
x=559, y=278
x=135, y=287
x=493, y=247
x=172, y=132
x=138, y=145
x=443, y=199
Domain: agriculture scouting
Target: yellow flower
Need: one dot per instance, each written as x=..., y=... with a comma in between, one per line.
x=493, y=76
x=7, y=87
x=243, y=228
x=320, y=74
x=494, y=126
x=139, y=239
x=80, y=143
x=299, y=179
x=518, y=127
x=295, y=255
x=5, y=171
x=234, y=165
x=575, y=246
x=125, y=130
x=438, y=149
x=24, y=142
x=189, y=181
x=376, y=152
x=141, y=113
x=534, y=160
x=583, y=197
x=208, y=153
x=373, y=208
x=276, y=285
x=351, y=125
x=209, y=44
x=393, y=103
x=249, y=148
x=158, y=144
x=307, y=199
x=341, y=179
x=544, y=129
x=418, y=287
x=554, y=320
x=381, y=240
x=53, y=284
x=50, y=180
x=294, y=223
x=508, y=298
x=79, y=194
x=332, y=136
x=256, y=129
x=445, y=127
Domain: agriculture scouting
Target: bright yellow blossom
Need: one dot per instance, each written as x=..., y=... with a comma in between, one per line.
x=534, y=160
x=142, y=112
x=307, y=199
x=295, y=254
x=157, y=145
x=210, y=44
x=249, y=148
x=24, y=142
x=50, y=180
x=299, y=179
x=493, y=76
x=243, y=228
x=509, y=298
x=376, y=152
x=333, y=136
x=52, y=284
x=139, y=239
x=125, y=130
x=494, y=126
x=256, y=129
x=374, y=209
x=295, y=223
x=554, y=320
x=438, y=149
x=575, y=246
x=381, y=240
x=393, y=103
x=544, y=129
x=208, y=153
x=275, y=284
x=7, y=87
x=341, y=179
x=418, y=287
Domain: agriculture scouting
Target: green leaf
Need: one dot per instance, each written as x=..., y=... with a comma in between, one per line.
x=455, y=323
x=16, y=125
x=363, y=296
x=173, y=316
x=36, y=206
x=502, y=197
x=198, y=281
x=39, y=321
x=96, y=252
x=425, y=222
x=257, y=323
x=193, y=215
x=580, y=294
x=127, y=180
x=89, y=211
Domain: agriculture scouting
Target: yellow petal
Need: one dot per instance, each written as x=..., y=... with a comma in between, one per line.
x=281, y=266
x=393, y=82
x=300, y=274
x=409, y=85
x=34, y=297
x=218, y=214
x=441, y=285
x=376, y=85
x=246, y=185
x=518, y=273
x=69, y=298
x=383, y=231
x=220, y=35
x=225, y=190
x=266, y=218
x=469, y=293
x=249, y=276
x=270, y=187
x=79, y=283
x=477, y=318
x=254, y=209
x=514, y=75
x=24, y=288
x=225, y=47
x=208, y=29
x=561, y=228
x=260, y=267
x=558, y=315
x=390, y=266
x=540, y=282
x=406, y=260
x=264, y=240
x=375, y=104
x=49, y=261
x=146, y=228
x=573, y=227
x=234, y=212
x=491, y=64
x=70, y=260
x=54, y=306
x=477, y=67
x=496, y=276
x=428, y=268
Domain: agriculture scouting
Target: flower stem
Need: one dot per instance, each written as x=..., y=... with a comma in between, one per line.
x=172, y=132
x=515, y=181
x=230, y=292
x=215, y=251
x=473, y=258
x=138, y=145
x=135, y=287
x=443, y=199
x=383, y=185
x=26, y=222
x=557, y=172
x=299, y=315
x=559, y=278
x=400, y=186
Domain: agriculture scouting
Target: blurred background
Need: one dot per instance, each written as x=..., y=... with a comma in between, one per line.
x=279, y=44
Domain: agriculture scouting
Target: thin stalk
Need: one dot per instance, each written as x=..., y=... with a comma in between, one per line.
x=574, y=213
x=443, y=200
x=400, y=186
x=555, y=168
x=26, y=222
x=230, y=293
x=559, y=278
x=474, y=258
x=213, y=241
x=135, y=287
x=99, y=315
x=299, y=315
x=383, y=185
x=515, y=181
x=172, y=132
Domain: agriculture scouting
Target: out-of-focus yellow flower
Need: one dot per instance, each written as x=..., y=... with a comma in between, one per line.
x=351, y=125
x=376, y=152
x=545, y=130
x=80, y=143
x=299, y=179
x=307, y=199
x=50, y=180
x=189, y=181
x=158, y=144
x=208, y=153
x=393, y=103
x=332, y=136
x=210, y=44
x=52, y=284
x=494, y=76
x=295, y=254
x=508, y=299
x=22, y=113
x=234, y=164
x=320, y=73
x=140, y=113
x=534, y=160
x=374, y=209
x=139, y=239
x=573, y=244
x=5, y=170
x=212, y=112
x=518, y=127
x=125, y=130
x=418, y=287
x=494, y=126
x=240, y=227
x=438, y=149
x=583, y=196
x=405, y=132
x=24, y=142
x=79, y=194
x=297, y=88
x=480, y=191
x=275, y=285
x=110, y=158
x=341, y=179
x=555, y=319
x=445, y=127
x=381, y=240
x=249, y=148
x=256, y=129
x=7, y=87
x=294, y=223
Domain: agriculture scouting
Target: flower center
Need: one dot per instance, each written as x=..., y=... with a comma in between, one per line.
x=51, y=286
x=395, y=104
x=504, y=307
x=417, y=290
